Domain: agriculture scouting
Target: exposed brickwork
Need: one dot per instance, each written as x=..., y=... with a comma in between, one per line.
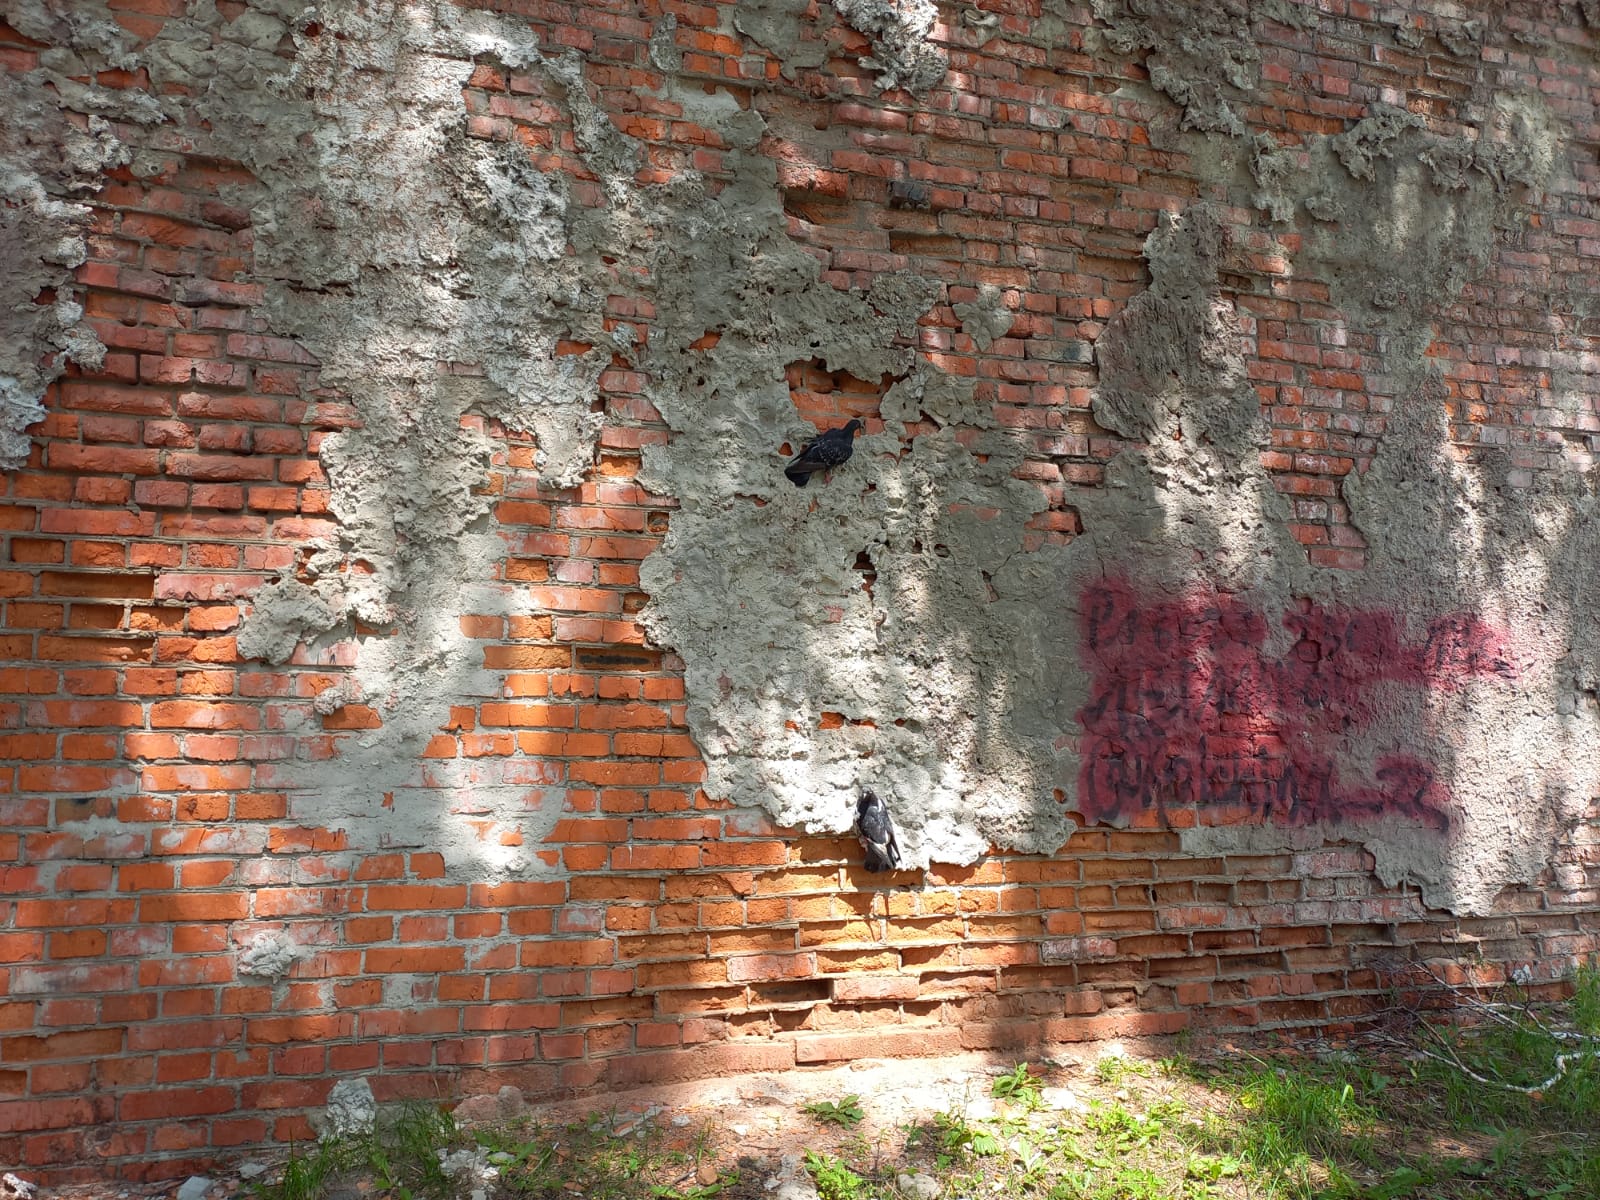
x=142, y=762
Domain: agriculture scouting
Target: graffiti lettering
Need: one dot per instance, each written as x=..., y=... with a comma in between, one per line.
x=1188, y=710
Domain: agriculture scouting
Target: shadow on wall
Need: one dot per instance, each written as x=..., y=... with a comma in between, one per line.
x=962, y=680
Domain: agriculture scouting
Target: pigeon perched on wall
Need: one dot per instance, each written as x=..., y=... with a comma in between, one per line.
x=832, y=449
x=876, y=833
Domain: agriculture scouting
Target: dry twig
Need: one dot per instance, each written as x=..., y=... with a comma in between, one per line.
x=1469, y=1000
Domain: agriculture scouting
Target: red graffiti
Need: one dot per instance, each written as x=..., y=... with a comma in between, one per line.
x=1188, y=709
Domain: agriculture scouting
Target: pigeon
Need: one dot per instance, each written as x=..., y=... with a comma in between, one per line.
x=876, y=833
x=832, y=449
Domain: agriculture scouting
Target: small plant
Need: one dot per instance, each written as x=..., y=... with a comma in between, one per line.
x=834, y=1179
x=1031, y=1159
x=1123, y=1129
x=1586, y=999
x=845, y=1112
x=1209, y=1168
x=305, y=1175
x=1019, y=1086
x=957, y=1136
x=1114, y=1068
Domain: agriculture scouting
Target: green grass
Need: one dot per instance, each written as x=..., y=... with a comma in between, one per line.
x=404, y=1158
x=1452, y=1111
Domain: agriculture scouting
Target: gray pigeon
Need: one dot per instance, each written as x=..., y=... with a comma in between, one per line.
x=832, y=449
x=876, y=833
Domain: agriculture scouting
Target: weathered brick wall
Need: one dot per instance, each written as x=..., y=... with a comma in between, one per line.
x=145, y=768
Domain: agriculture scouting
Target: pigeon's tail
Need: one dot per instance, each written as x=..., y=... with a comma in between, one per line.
x=797, y=477
x=881, y=856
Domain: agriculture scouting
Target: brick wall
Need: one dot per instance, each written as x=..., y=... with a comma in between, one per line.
x=142, y=762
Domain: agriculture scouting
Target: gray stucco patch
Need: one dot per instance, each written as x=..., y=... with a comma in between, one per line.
x=899, y=30
x=392, y=245
x=884, y=627
x=791, y=605
x=1201, y=56
x=778, y=25
x=1405, y=219
x=49, y=166
x=985, y=317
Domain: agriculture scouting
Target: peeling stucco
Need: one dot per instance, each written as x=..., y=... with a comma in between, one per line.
x=1401, y=219
x=885, y=628
x=1201, y=56
x=985, y=317
x=928, y=718
x=902, y=54
x=424, y=248
x=49, y=165
x=392, y=245
x=779, y=26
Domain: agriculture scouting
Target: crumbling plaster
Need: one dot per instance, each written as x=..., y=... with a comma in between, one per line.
x=1188, y=507
x=898, y=595
x=1396, y=219
x=48, y=167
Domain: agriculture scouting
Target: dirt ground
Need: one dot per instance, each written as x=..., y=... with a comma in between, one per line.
x=754, y=1121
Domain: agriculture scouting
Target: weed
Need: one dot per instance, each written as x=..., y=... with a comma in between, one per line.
x=1209, y=1168
x=844, y=1112
x=1113, y=1069
x=1020, y=1087
x=305, y=1176
x=1586, y=999
x=1121, y=1128
x=1111, y=1183
x=834, y=1179
x=957, y=1135
x=402, y=1154
x=1179, y=1066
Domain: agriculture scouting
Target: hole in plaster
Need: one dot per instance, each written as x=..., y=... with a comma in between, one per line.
x=829, y=398
x=942, y=550
x=869, y=573
x=837, y=720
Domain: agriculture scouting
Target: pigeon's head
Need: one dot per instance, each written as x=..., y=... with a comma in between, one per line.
x=867, y=800
x=852, y=425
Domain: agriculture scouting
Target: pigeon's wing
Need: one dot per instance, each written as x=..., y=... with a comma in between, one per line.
x=877, y=835
x=877, y=856
x=835, y=447
x=831, y=449
x=812, y=458
x=874, y=823
x=891, y=847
